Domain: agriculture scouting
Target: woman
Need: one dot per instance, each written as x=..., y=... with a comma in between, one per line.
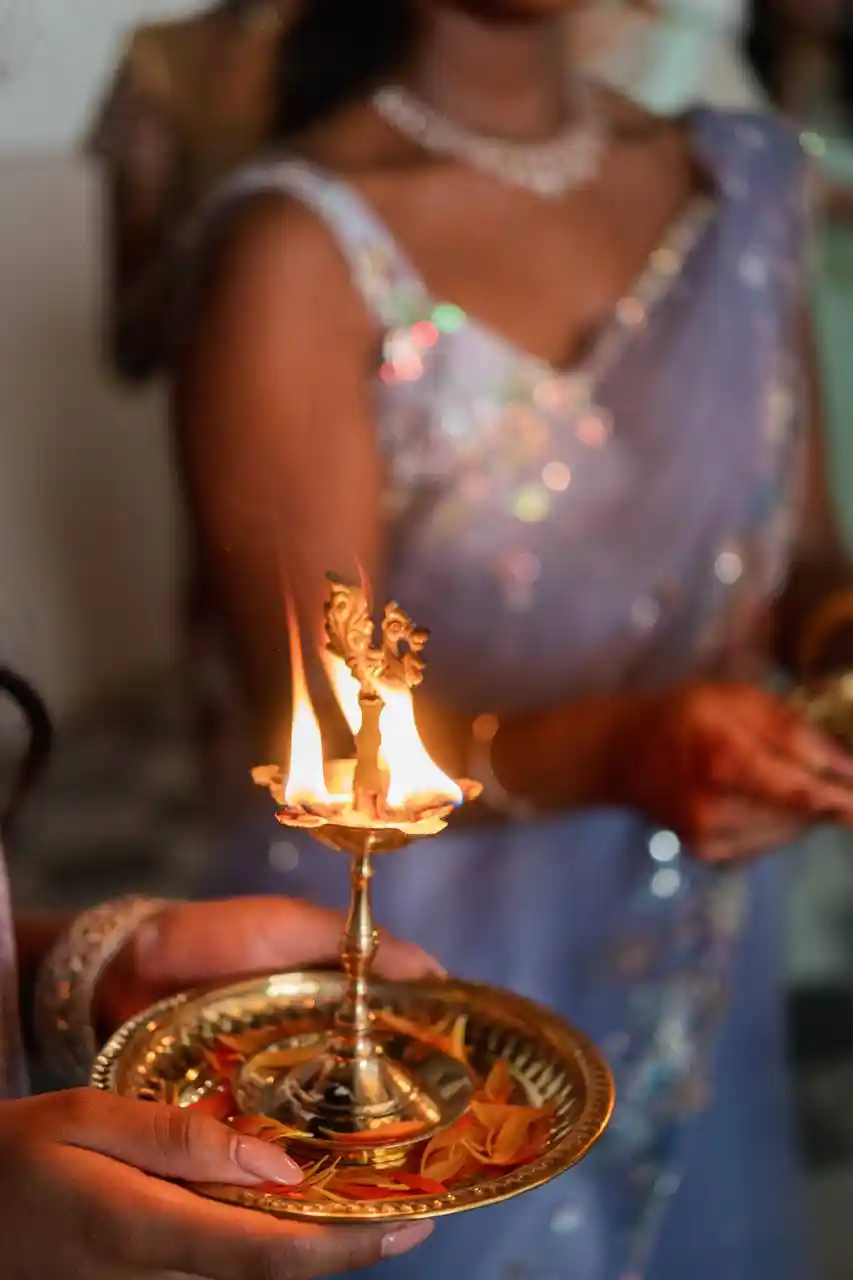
x=548, y=394
x=191, y=101
x=105, y=1168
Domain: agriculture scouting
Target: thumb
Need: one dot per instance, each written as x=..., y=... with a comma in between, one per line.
x=171, y=1142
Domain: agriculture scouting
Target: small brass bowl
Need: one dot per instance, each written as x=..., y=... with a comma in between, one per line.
x=159, y=1057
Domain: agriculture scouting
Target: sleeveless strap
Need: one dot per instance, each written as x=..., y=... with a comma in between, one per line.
x=390, y=286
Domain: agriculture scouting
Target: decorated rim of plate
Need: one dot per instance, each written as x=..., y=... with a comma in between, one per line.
x=510, y=1013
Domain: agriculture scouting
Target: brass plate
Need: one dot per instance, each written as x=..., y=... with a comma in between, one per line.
x=158, y=1055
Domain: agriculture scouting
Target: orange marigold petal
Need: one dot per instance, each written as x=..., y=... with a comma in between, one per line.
x=386, y=1133
x=220, y=1104
x=499, y=1084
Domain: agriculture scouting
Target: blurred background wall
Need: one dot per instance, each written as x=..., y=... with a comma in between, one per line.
x=87, y=508
x=87, y=503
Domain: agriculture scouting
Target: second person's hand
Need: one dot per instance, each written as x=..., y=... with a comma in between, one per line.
x=732, y=769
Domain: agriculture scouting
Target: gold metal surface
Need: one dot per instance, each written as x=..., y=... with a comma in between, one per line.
x=828, y=704
x=354, y=1084
x=159, y=1056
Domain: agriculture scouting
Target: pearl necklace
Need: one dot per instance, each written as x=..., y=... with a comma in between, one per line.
x=550, y=169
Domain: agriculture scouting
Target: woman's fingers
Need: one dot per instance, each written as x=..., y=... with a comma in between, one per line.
x=128, y=1224
x=198, y=1237
x=742, y=845
x=172, y=1142
x=192, y=943
x=788, y=733
x=733, y=827
x=789, y=785
x=711, y=742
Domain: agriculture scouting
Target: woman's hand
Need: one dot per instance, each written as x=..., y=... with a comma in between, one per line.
x=77, y=1199
x=731, y=769
x=191, y=944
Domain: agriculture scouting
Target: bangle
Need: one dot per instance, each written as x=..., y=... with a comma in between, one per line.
x=495, y=797
x=68, y=978
x=830, y=616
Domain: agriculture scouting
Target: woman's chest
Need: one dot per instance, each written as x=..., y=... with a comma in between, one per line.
x=546, y=275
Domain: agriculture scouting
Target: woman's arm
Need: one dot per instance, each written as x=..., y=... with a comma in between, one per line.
x=274, y=419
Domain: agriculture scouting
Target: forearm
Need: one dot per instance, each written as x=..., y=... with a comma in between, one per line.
x=568, y=756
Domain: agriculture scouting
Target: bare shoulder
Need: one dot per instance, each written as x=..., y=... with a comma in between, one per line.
x=274, y=260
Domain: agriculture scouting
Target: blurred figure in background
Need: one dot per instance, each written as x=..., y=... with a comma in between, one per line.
x=669, y=54
x=552, y=395
x=803, y=52
x=191, y=101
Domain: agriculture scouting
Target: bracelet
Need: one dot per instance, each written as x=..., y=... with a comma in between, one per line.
x=68, y=978
x=833, y=613
x=495, y=797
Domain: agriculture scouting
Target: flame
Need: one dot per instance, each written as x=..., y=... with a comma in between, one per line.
x=412, y=771
x=306, y=781
x=413, y=774
x=345, y=688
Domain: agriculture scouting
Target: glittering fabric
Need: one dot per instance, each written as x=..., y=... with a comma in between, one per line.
x=617, y=525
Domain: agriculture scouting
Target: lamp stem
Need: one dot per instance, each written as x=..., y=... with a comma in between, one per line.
x=353, y=1020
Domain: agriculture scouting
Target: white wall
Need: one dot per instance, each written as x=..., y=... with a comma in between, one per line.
x=56, y=56
x=89, y=520
x=88, y=515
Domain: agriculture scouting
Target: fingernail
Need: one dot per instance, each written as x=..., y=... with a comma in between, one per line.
x=406, y=1238
x=266, y=1163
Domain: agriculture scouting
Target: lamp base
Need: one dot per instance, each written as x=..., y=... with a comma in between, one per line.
x=387, y=1101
